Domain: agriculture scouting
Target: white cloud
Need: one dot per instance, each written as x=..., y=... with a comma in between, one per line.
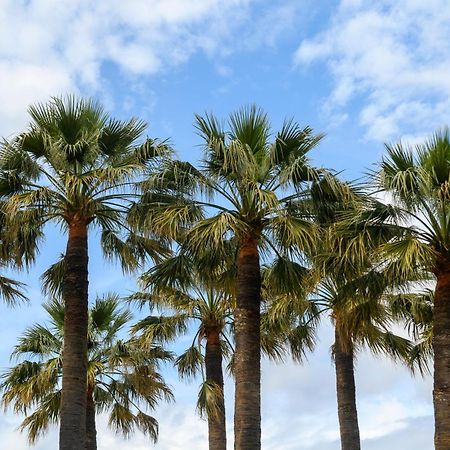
x=24, y=82
x=395, y=56
x=48, y=47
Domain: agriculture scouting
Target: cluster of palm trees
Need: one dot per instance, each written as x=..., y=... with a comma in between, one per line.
x=250, y=248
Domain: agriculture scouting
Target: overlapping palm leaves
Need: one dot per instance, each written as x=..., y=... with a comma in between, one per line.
x=255, y=194
x=123, y=379
x=246, y=180
x=415, y=311
x=76, y=167
x=188, y=295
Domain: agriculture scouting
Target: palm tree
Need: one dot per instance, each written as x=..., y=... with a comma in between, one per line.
x=187, y=294
x=75, y=166
x=352, y=290
x=192, y=296
x=352, y=286
x=246, y=181
x=418, y=179
x=121, y=376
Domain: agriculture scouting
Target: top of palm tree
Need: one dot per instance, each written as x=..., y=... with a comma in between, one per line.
x=246, y=183
x=77, y=165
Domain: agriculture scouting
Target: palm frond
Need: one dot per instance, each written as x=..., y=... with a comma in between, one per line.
x=208, y=402
x=160, y=328
x=52, y=278
x=190, y=363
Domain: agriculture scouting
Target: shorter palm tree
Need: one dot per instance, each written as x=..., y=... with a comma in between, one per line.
x=179, y=286
x=352, y=286
x=201, y=291
x=123, y=378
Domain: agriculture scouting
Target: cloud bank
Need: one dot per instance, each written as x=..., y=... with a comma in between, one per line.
x=392, y=59
x=49, y=47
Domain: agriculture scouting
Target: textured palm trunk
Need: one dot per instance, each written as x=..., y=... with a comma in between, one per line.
x=247, y=370
x=72, y=435
x=217, y=436
x=91, y=430
x=346, y=394
x=441, y=348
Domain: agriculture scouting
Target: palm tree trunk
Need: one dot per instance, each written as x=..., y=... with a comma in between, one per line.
x=217, y=436
x=247, y=367
x=441, y=349
x=72, y=433
x=346, y=395
x=91, y=431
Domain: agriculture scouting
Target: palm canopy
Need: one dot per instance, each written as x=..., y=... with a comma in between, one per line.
x=122, y=377
x=76, y=165
x=186, y=294
x=355, y=280
x=347, y=278
x=244, y=184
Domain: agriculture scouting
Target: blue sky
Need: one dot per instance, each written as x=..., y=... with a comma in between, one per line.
x=363, y=72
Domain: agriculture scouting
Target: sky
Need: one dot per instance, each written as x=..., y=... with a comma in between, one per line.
x=363, y=72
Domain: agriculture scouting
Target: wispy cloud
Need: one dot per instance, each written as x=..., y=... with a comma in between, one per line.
x=392, y=58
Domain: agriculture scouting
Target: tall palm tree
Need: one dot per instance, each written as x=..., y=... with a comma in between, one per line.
x=122, y=378
x=75, y=166
x=419, y=179
x=245, y=183
x=188, y=296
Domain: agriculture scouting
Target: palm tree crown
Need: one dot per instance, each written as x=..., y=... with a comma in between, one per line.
x=76, y=165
